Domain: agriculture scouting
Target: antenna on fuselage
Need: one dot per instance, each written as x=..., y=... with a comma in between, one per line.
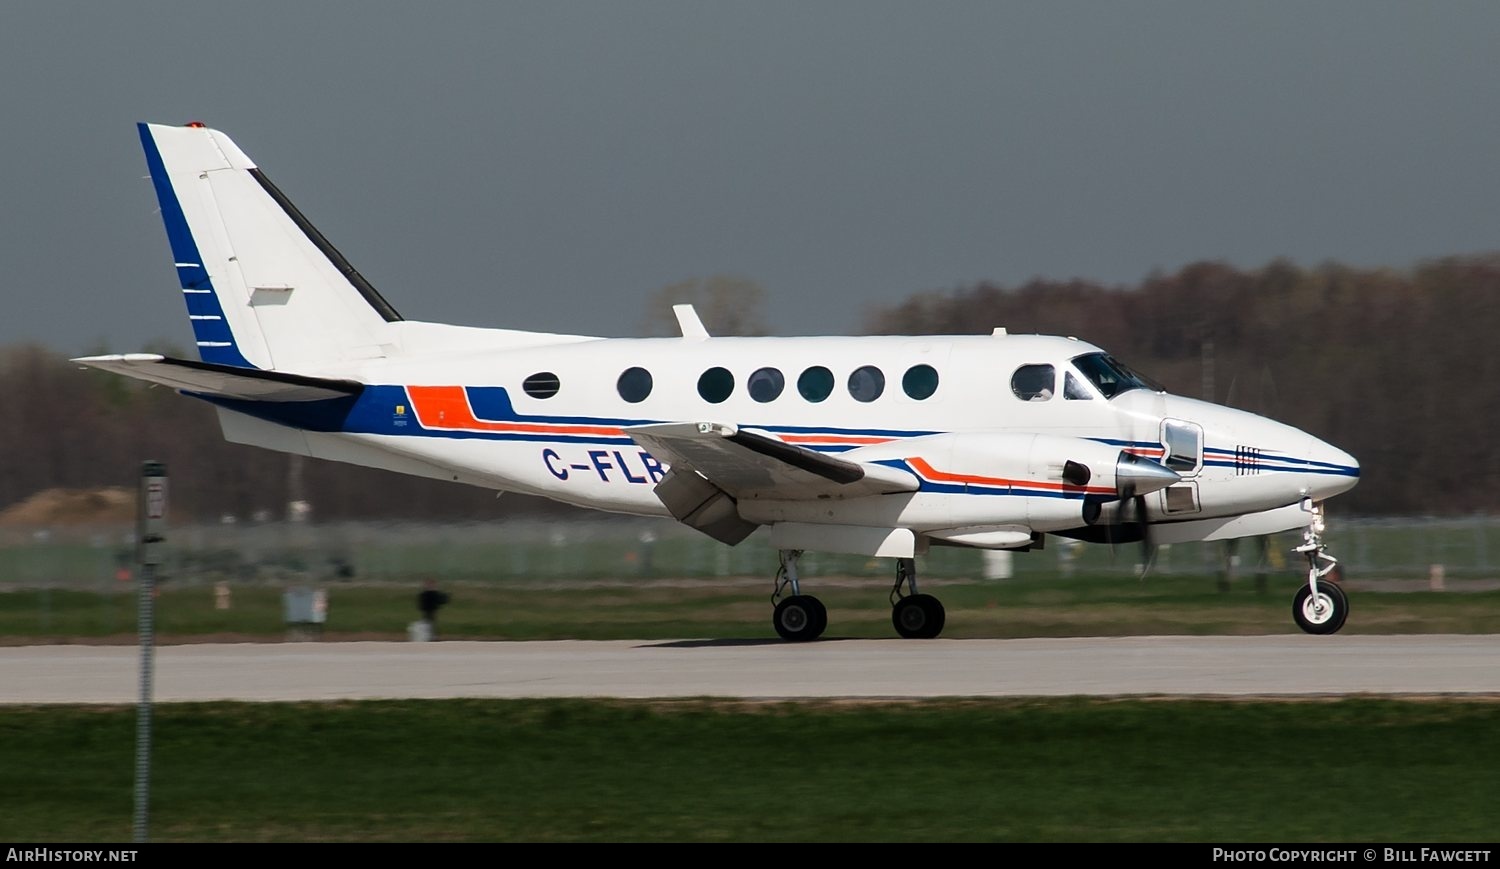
x=688, y=322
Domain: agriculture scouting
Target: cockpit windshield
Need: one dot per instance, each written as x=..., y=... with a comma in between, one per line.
x=1109, y=375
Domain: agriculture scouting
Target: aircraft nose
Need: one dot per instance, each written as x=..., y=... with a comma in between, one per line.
x=1334, y=470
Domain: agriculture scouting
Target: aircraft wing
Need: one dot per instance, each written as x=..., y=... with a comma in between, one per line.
x=746, y=464
x=207, y=378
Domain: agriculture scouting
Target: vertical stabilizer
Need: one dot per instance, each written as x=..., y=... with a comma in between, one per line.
x=264, y=288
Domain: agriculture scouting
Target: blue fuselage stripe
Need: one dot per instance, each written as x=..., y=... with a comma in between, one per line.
x=374, y=412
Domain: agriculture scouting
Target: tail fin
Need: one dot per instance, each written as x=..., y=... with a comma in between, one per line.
x=264, y=288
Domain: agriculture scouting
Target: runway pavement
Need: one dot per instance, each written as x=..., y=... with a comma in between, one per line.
x=1265, y=665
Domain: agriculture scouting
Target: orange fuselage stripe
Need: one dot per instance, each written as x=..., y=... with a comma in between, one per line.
x=932, y=473
x=834, y=439
x=447, y=407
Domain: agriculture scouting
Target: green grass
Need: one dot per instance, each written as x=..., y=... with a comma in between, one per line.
x=1063, y=770
x=653, y=609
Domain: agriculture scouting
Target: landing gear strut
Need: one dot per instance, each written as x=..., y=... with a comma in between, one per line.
x=798, y=617
x=1318, y=608
x=915, y=616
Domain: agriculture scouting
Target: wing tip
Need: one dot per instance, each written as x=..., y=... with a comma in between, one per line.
x=120, y=357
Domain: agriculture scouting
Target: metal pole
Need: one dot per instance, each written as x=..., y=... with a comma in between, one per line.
x=151, y=517
x=144, y=615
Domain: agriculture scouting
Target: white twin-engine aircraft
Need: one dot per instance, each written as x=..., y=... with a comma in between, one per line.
x=880, y=446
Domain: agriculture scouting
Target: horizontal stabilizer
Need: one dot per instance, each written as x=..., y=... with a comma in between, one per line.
x=747, y=464
x=208, y=378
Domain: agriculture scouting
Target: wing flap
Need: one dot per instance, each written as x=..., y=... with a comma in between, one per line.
x=207, y=378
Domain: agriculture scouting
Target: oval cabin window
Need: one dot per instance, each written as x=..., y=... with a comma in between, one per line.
x=543, y=384
x=634, y=385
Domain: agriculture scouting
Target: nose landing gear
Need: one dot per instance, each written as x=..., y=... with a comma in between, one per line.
x=1318, y=608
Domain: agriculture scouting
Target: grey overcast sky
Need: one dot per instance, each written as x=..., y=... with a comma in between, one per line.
x=547, y=165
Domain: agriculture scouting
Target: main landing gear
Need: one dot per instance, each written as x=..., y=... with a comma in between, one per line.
x=916, y=616
x=801, y=617
x=1319, y=607
x=798, y=617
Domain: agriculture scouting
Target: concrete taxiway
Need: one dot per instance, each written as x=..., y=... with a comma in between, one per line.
x=1236, y=666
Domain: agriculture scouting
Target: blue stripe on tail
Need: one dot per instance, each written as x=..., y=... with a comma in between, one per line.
x=210, y=330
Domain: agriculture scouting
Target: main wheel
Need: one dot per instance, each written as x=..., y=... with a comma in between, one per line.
x=800, y=618
x=1324, y=614
x=918, y=617
x=820, y=615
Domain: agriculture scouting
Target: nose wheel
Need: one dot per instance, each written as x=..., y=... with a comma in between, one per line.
x=1322, y=611
x=1319, y=607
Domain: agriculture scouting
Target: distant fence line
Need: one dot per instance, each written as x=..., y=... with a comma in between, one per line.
x=628, y=548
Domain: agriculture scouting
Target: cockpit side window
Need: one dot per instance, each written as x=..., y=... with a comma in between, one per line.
x=1109, y=375
x=1073, y=388
x=1034, y=382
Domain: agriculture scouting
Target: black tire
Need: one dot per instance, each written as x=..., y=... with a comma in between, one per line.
x=797, y=620
x=820, y=615
x=919, y=617
x=1327, y=621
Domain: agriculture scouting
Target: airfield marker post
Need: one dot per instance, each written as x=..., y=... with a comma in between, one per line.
x=151, y=520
